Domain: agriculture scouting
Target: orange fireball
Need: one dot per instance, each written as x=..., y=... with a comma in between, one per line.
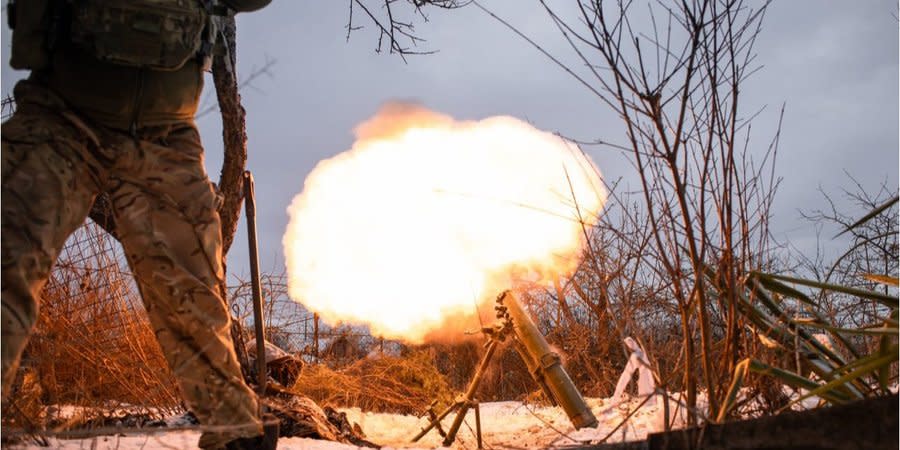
x=425, y=217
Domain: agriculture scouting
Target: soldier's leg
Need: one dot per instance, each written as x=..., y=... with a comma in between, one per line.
x=165, y=209
x=48, y=186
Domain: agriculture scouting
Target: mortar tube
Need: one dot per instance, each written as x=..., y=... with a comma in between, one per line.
x=545, y=365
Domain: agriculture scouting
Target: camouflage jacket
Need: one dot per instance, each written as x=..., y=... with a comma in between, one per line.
x=124, y=97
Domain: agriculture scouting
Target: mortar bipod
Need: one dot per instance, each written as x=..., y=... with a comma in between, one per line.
x=467, y=400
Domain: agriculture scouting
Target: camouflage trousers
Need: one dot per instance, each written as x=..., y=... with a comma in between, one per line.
x=164, y=207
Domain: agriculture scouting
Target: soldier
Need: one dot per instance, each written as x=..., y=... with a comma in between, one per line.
x=109, y=107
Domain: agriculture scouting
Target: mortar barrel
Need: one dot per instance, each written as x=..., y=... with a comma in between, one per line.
x=546, y=366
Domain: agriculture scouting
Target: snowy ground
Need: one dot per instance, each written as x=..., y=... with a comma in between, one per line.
x=504, y=425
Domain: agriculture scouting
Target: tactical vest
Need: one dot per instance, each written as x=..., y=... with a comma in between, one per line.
x=153, y=34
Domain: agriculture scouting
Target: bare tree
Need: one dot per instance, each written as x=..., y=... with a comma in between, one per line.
x=673, y=74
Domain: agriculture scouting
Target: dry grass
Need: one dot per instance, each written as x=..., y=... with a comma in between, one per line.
x=386, y=384
x=93, y=345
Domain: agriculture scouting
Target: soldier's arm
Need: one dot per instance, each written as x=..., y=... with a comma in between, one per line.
x=247, y=5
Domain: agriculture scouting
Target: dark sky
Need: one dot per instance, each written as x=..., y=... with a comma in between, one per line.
x=834, y=65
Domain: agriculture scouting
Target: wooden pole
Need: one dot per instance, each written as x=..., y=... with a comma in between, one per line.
x=316, y=336
x=250, y=208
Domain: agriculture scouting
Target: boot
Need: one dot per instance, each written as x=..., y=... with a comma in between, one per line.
x=266, y=441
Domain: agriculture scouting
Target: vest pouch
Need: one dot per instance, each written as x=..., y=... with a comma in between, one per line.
x=30, y=20
x=154, y=34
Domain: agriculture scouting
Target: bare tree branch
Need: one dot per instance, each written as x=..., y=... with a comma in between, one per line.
x=396, y=34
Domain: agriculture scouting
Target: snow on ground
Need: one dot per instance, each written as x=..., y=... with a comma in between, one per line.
x=504, y=425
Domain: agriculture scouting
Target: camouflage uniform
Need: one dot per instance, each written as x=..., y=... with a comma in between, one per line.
x=67, y=142
x=53, y=166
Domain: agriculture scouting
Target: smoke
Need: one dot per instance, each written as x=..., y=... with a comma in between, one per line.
x=395, y=118
x=425, y=217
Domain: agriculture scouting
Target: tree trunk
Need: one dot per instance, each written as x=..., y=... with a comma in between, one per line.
x=234, y=133
x=234, y=137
